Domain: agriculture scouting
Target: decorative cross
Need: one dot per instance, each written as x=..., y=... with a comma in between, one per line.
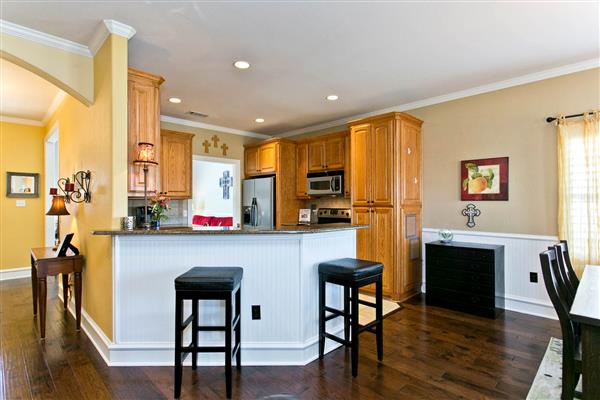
x=206, y=145
x=226, y=182
x=224, y=147
x=215, y=139
x=471, y=212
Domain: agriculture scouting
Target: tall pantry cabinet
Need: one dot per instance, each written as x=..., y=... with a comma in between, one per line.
x=386, y=193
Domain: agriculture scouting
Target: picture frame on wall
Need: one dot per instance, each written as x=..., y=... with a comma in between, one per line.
x=484, y=179
x=22, y=185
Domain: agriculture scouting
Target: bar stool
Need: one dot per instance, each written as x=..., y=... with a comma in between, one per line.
x=208, y=283
x=352, y=274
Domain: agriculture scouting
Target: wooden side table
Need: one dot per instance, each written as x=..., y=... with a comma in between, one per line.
x=44, y=262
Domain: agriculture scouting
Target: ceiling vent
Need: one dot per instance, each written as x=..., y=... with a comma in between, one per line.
x=197, y=114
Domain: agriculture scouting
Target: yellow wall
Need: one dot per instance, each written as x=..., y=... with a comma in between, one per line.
x=95, y=138
x=21, y=150
x=71, y=72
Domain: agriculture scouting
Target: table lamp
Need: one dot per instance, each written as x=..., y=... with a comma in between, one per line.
x=145, y=156
x=57, y=208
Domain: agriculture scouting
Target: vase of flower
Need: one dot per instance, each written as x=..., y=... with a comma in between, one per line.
x=160, y=205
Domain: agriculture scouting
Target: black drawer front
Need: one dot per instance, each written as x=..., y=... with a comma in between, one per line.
x=476, y=283
x=468, y=299
x=454, y=264
x=456, y=253
x=443, y=274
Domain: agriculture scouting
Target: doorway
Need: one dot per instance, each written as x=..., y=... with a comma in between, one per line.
x=51, y=177
x=216, y=189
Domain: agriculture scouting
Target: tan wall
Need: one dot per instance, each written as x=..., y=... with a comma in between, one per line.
x=509, y=122
x=21, y=228
x=319, y=132
x=235, y=143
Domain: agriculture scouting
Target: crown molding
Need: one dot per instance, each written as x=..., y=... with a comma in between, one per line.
x=196, y=124
x=119, y=28
x=43, y=38
x=58, y=99
x=20, y=121
x=520, y=80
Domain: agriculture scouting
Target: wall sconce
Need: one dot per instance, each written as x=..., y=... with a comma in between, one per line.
x=77, y=191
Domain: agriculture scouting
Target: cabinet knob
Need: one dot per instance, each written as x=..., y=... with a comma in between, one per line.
x=408, y=150
x=415, y=180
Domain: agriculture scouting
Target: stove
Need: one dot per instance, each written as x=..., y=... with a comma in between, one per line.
x=334, y=215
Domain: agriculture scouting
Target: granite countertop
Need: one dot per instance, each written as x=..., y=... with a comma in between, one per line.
x=206, y=230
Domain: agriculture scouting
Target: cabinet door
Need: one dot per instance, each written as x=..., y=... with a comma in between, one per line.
x=267, y=158
x=316, y=156
x=411, y=164
x=301, y=170
x=176, y=168
x=362, y=216
x=347, y=166
x=334, y=153
x=143, y=126
x=360, y=150
x=409, y=254
x=383, y=244
x=251, y=161
x=383, y=164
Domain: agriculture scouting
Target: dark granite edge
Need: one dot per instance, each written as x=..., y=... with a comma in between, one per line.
x=290, y=230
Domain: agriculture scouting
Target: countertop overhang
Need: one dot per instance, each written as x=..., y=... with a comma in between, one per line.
x=204, y=230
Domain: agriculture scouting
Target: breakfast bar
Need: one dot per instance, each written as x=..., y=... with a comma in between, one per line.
x=279, y=297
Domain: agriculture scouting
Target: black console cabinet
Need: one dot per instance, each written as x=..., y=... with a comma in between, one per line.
x=467, y=277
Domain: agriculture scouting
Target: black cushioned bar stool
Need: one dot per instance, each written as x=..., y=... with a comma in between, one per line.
x=208, y=283
x=352, y=274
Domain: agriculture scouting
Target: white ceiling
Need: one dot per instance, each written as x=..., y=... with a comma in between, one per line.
x=23, y=94
x=373, y=55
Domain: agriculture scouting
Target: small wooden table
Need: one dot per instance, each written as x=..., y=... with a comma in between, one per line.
x=586, y=311
x=44, y=262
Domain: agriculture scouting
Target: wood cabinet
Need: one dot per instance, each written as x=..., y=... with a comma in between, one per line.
x=347, y=167
x=301, y=170
x=176, y=164
x=326, y=152
x=277, y=157
x=385, y=157
x=143, y=97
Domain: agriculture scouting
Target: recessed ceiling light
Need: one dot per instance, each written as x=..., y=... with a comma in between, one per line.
x=241, y=64
x=332, y=97
x=260, y=120
x=175, y=100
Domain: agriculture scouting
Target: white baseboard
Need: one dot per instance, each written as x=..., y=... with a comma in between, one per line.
x=15, y=273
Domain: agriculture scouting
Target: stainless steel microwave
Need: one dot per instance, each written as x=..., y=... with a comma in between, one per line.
x=325, y=184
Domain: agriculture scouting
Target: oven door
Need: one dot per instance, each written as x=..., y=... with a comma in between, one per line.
x=324, y=185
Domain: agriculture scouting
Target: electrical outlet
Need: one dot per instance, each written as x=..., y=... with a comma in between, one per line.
x=533, y=277
x=21, y=203
x=255, y=312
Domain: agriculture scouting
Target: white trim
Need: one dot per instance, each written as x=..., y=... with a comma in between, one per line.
x=196, y=124
x=497, y=234
x=14, y=273
x=44, y=38
x=107, y=27
x=491, y=87
x=56, y=102
x=21, y=121
x=529, y=306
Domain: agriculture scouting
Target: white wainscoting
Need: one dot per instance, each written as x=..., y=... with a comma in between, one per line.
x=521, y=256
x=15, y=273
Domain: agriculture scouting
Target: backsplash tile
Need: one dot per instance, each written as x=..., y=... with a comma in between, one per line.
x=177, y=214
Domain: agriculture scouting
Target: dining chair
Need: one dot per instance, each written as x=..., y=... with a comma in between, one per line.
x=566, y=263
x=571, y=366
x=563, y=284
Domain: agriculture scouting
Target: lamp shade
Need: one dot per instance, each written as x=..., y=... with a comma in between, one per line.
x=58, y=206
x=145, y=154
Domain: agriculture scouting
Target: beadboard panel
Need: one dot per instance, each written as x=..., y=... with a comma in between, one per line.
x=521, y=256
x=280, y=275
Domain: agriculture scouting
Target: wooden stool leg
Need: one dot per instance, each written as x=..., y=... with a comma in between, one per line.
x=41, y=288
x=34, y=285
x=238, y=330
x=65, y=283
x=354, y=323
x=321, y=317
x=347, y=312
x=195, y=323
x=379, y=317
x=228, y=345
x=178, y=340
x=78, y=299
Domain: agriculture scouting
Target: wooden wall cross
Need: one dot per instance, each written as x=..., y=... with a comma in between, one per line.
x=471, y=212
x=224, y=147
x=215, y=139
x=206, y=145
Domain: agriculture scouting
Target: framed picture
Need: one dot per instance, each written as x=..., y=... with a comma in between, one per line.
x=484, y=179
x=20, y=184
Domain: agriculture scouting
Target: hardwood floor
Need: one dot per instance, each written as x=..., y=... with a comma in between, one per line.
x=429, y=353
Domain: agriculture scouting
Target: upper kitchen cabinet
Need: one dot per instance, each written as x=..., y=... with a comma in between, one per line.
x=143, y=91
x=176, y=164
x=326, y=152
x=301, y=170
x=260, y=159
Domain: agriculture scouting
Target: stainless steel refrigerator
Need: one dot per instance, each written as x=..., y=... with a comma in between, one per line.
x=258, y=203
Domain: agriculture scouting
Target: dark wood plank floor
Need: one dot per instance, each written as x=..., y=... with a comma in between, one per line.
x=430, y=353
